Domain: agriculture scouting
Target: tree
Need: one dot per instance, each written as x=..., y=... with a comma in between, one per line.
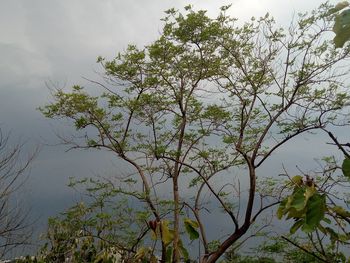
x=318, y=204
x=277, y=249
x=14, y=225
x=206, y=100
x=327, y=222
x=311, y=204
x=103, y=228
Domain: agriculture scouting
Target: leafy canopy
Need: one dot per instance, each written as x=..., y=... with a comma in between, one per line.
x=205, y=101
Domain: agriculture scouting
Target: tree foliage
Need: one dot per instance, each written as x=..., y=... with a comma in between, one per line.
x=209, y=99
x=104, y=227
x=342, y=24
x=283, y=249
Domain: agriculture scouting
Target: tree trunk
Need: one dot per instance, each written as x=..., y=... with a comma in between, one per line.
x=176, y=253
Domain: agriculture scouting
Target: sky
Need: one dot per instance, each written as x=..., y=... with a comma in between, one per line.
x=55, y=43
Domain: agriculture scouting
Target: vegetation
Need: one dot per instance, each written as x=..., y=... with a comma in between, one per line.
x=197, y=113
x=342, y=24
x=14, y=226
x=104, y=228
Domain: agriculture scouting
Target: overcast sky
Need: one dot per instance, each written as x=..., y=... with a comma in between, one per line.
x=57, y=42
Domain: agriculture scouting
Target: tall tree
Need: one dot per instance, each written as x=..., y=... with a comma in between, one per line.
x=209, y=99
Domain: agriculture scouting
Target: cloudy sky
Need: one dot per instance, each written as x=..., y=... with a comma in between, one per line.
x=56, y=42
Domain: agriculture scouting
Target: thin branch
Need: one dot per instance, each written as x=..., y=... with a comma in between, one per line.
x=304, y=249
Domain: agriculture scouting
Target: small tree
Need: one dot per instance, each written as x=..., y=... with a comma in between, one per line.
x=14, y=227
x=206, y=100
x=318, y=204
x=104, y=228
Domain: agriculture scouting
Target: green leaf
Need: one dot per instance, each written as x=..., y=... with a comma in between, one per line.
x=343, y=238
x=309, y=192
x=190, y=226
x=281, y=208
x=169, y=254
x=346, y=167
x=297, y=180
x=167, y=234
x=296, y=226
x=183, y=251
x=315, y=212
x=297, y=199
x=293, y=213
